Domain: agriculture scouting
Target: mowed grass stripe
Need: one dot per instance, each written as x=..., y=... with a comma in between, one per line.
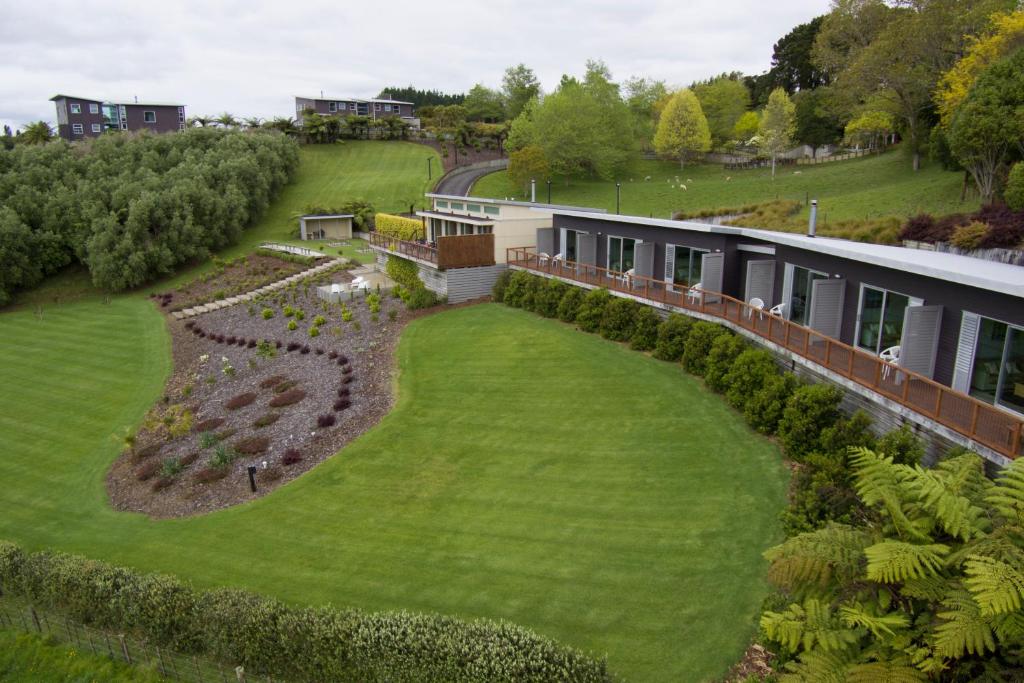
x=529, y=472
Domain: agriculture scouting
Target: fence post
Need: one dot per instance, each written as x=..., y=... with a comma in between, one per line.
x=240, y=674
x=35, y=619
x=124, y=648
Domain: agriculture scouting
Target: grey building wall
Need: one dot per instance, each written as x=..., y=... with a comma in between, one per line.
x=465, y=284
x=66, y=120
x=167, y=118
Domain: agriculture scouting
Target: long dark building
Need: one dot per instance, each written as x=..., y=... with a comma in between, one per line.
x=939, y=334
x=79, y=118
x=374, y=108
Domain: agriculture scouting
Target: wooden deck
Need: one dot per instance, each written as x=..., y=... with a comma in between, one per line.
x=454, y=251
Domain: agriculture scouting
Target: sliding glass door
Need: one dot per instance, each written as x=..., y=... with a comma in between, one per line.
x=998, y=375
x=620, y=253
x=800, y=294
x=688, y=265
x=570, y=250
x=880, y=323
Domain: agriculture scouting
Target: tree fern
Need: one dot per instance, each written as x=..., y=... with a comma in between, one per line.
x=884, y=672
x=997, y=587
x=810, y=625
x=819, y=666
x=963, y=629
x=881, y=482
x=812, y=559
x=1007, y=495
x=881, y=626
x=935, y=491
x=896, y=561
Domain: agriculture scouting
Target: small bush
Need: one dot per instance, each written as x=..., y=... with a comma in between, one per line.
x=271, y=474
x=319, y=321
x=171, y=467
x=749, y=373
x=251, y=344
x=288, y=311
x=314, y=332
x=421, y=298
x=645, y=329
x=254, y=445
x=292, y=346
x=272, y=381
x=724, y=351
x=619, y=319
x=672, y=334
x=590, y=314
x=291, y=456
x=300, y=315
x=290, y=397
x=698, y=345
x=268, y=313
x=548, y=297
x=162, y=482
x=284, y=386
x=210, y=474
x=342, y=404
x=231, y=340
x=346, y=370
x=187, y=460
x=266, y=420
x=810, y=410
x=318, y=351
x=326, y=420
x=207, y=439
x=969, y=237
x=519, y=287
x=305, y=349
x=292, y=326
x=148, y=470
x=223, y=456
x=347, y=379
x=570, y=304
x=332, y=355
x=902, y=446
x=500, y=285
x=342, y=359
x=147, y=451
x=240, y=401
x=343, y=392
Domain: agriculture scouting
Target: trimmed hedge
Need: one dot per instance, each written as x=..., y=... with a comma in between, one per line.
x=269, y=637
x=404, y=272
x=399, y=227
x=698, y=345
x=672, y=336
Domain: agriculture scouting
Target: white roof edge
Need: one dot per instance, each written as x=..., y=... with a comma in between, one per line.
x=352, y=99
x=327, y=215
x=458, y=219
x=559, y=208
x=966, y=270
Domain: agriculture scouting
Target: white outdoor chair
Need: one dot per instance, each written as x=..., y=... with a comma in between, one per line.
x=779, y=310
x=543, y=257
x=758, y=305
x=891, y=357
x=696, y=292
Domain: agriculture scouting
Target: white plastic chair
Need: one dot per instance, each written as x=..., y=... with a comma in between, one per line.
x=696, y=292
x=779, y=310
x=758, y=305
x=543, y=257
x=891, y=357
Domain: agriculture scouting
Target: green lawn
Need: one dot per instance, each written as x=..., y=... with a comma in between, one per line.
x=529, y=472
x=846, y=190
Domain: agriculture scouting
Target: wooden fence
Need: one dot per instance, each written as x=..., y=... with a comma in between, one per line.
x=417, y=250
x=984, y=423
x=453, y=251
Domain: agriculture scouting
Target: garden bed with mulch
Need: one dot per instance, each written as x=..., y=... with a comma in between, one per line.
x=229, y=278
x=252, y=387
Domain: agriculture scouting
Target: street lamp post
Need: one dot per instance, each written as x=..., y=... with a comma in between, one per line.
x=618, y=187
x=430, y=170
x=549, y=192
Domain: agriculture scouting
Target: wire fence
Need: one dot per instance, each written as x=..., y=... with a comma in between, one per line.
x=168, y=664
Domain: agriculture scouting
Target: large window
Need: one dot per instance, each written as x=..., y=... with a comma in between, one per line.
x=998, y=375
x=688, y=265
x=77, y=128
x=800, y=294
x=149, y=116
x=492, y=210
x=76, y=109
x=571, y=248
x=620, y=253
x=880, y=322
x=94, y=108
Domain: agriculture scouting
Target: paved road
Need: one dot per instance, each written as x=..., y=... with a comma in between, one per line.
x=460, y=181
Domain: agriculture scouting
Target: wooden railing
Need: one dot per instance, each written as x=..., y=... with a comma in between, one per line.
x=984, y=423
x=454, y=251
x=404, y=247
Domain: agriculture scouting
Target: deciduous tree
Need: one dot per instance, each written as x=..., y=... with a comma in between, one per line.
x=778, y=123
x=519, y=85
x=723, y=100
x=683, y=129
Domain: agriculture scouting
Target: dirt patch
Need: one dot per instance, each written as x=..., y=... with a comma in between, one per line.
x=218, y=415
x=228, y=278
x=755, y=666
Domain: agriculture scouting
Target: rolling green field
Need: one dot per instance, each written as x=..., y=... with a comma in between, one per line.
x=529, y=472
x=870, y=187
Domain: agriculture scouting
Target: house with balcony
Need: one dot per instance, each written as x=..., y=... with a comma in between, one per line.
x=349, y=106
x=466, y=241
x=934, y=338
x=79, y=118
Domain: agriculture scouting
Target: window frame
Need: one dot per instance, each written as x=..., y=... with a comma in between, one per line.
x=911, y=301
x=145, y=115
x=622, y=251
x=693, y=251
x=75, y=107
x=94, y=108
x=97, y=128
x=77, y=129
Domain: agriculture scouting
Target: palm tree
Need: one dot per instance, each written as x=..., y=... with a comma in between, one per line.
x=252, y=122
x=201, y=121
x=37, y=133
x=227, y=120
x=285, y=124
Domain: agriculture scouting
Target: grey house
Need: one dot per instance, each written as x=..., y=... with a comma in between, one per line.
x=350, y=106
x=79, y=118
x=940, y=334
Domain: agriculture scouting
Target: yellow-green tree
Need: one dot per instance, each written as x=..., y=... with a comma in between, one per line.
x=746, y=127
x=778, y=123
x=683, y=129
x=528, y=163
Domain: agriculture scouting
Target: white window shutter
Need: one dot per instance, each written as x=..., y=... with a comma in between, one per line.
x=970, y=324
x=670, y=263
x=787, y=291
x=760, y=281
x=643, y=259
x=920, y=341
x=586, y=248
x=563, y=243
x=827, y=307
x=712, y=271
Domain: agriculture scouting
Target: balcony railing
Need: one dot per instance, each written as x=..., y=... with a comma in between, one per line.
x=981, y=422
x=453, y=251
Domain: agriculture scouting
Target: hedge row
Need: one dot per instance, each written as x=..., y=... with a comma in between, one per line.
x=269, y=637
x=398, y=227
x=805, y=418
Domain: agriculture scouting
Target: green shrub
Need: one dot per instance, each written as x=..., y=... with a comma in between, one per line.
x=848, y=432
x=548, y=297
x=698, y=345
x=270, y=638
x=590, y=314
x=500, y=284
x=404, y=272
x=319, y=321
x=672, y=334
x=288, y=311
x=764, y=408
x=268, y=313
x=570, y=304
x=969, y=237
x=300, y=315
x=314, y=331
x=645, y=329
x=1014, y=193
x=749, y=373
x=902, y=446
x=725, y=349
x=398, y=227
x=619, y=319
x=518, y=289
x=420, y=297
x=810, y=410
x=292, y=326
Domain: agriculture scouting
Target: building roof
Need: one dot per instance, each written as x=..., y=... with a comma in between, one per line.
x=555, y=208
x=352, y=99
x=458, y=218
x=104, y=101
x=966, y=270
x=328, y=215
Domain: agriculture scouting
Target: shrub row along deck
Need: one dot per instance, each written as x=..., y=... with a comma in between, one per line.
x=977, y=422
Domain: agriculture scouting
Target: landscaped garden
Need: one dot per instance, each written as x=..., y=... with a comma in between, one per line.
x=527, y=472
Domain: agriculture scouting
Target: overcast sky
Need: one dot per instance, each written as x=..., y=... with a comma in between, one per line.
x=251, y=59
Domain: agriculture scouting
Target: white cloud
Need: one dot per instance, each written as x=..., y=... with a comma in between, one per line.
x=252, y=58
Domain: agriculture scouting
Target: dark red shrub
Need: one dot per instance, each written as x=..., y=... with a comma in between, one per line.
x=287, y=398
x=284, y=386
x=342, y=359
x=1006, y=227
x=342, y=404
x=343, y=392
x=240, y=401
x=203, y=335
x=332, y=355
x=148, y=470
x=326, y=420
x=292, y=346
x=190, y=324
x=251, y=344
x=189, y=459
x=254, y=445
x=208, y=425
x=232, y=339
x=347, y=379
x=272, y=381
x=162, y=483
x=305, y=350
x=208, y=475
x=347, y=370
x=318, y=352
x=277, y=344
x=291, y=456
x=242, y=341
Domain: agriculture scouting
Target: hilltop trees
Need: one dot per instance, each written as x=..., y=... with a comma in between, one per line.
x=778, y=123
x=683, y=130
x=723, y=99
x=519, y=85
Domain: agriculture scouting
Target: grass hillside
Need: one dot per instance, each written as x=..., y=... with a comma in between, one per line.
x=606, y=500
x=866, y=188
x=28, y=658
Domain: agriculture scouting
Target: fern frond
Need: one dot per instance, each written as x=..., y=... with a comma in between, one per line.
x=930, y=588
x=1004, y=543
x=1009, y=628
x=997, y=587
x=815, y=557
x=896, y=561
x=810, y=625
x=882, y=626
x=879, y=481
x=965, y=476
x=1007, y=494
x=936, y=493
x=819, y=666
x=963, y=629
x=884, y=672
